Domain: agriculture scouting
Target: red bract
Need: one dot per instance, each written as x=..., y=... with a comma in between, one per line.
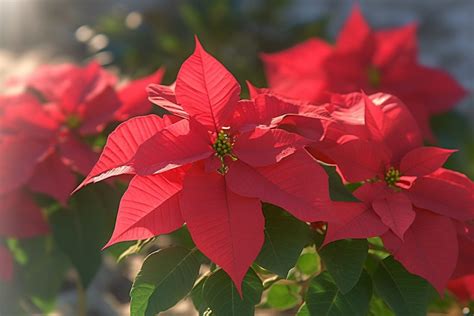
x=212, y=168
x=134, y=98
x=409, y=199
x=463, y=288
x=364, y=59
x=69, y=102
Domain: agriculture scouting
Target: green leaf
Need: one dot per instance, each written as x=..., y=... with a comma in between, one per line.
x=308, y=263
x=83, y=229
x=283, y=295
x=303, y=311
x=337, y=190
x=324, y=298
x=165, y=278
x=197, y=297
x=285, y=238
x=379, y=308
x=344, y=259
x=405, y=293
x=43, y=274
x=222, y=297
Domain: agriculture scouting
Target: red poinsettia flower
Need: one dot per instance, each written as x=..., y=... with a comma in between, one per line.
x=364, y=59
x=409, y=199
x=212, y=168
x=41, y=150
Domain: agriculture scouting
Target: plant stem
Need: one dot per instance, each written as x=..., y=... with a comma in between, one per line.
x=81, y=299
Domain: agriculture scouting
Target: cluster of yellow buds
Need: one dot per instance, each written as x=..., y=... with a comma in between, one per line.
x=392, y=176
x=223, y=147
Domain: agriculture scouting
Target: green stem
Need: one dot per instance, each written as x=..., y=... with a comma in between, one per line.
x=81, y=299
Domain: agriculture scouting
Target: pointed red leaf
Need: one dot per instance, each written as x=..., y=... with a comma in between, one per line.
x=165, y=97
x=149, y=207
x=359, y=160
x=20, y=155
x=374, y=119
x=122, y=145
x=464, y=265
x=396, y=46
x=296, y=72
x=206, y=90
x=395, y=211
x=134, y=98
x=83, y=84
x=265, y=146
x=444, y=196
x=356, y=37
x=54, y=178
x=424, y=160
x=353, y=220
x=175, y=145
x=20, y=217
x=99, y=111
x=281, y=184
x=462, y=288
x=261, y=111
x=226, y=227
x=430, y=248
x=400, y=132
x=77, y=155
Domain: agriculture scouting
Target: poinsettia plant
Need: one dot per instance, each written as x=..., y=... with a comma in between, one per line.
x=315, y=196
x=216, y=161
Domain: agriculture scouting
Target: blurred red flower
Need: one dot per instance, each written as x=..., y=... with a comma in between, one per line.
x=374, y=61
x=68, y=103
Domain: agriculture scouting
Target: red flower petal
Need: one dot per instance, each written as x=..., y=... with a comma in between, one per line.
x=395, y=211
x=53, y=178
x=20, y=217
x=430, y=248
x=282, y=184
x=20, y=156
x=165, y=97
x=122, y=145
x=396, y=128
x=149, y=207
x=359, y=160
x=83, y=85
x=175, y=145
x=226, y=227
x=6, y=268
x=264, y=146
x=356, y=37
x=443, y=196
x=296, y=72
x=396, y=47
x=425, y=80
x=133, y=96
x=463, y=288
x=206, y=89
x=353, y=220
x=77, y=155
x=424, y=160
x=464, y=265
x=99, y=111
x=260, y=111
